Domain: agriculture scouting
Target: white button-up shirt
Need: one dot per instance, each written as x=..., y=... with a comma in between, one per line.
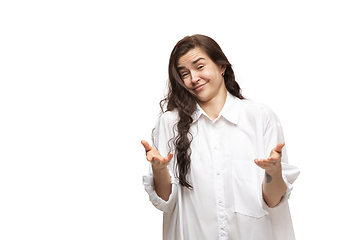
x=226, y=201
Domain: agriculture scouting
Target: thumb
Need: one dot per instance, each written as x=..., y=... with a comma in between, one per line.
x=146, y=145
x=279, y=147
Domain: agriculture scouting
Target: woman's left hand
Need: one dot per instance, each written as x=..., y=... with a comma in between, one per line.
x=272, y=163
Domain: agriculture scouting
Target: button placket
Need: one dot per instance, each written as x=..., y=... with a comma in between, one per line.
x=219, y=184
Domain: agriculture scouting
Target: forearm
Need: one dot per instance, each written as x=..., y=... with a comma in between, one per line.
x=162, y=183
x=274, y=187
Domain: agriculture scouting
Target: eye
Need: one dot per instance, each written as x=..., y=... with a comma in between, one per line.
x=200, y=67
x=184, y=75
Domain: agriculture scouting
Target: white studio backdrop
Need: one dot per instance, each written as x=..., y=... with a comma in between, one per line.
x=80, y=85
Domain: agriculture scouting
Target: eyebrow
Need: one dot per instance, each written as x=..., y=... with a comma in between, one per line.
x=194, y=62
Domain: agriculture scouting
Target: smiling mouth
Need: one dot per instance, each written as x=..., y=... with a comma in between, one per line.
x=201, y=86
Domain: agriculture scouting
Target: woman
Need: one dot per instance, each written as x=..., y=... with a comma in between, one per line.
x=218, y=165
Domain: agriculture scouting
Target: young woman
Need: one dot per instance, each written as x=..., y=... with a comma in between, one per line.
x=218, y=162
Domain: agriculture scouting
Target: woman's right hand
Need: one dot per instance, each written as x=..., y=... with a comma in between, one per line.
x=158, y=162
x=162, y=179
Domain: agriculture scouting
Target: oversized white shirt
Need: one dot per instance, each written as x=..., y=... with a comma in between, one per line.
x=226, y=202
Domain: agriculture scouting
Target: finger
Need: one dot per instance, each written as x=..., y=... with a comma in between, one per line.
x=268, y=161
x=259, y=160
x=168, y=159
x=279, y=147
x=146, y=145
x=163, y=159
x=273, y=158
x=159, y=160
x=156, y=159
x=150, y=157
x=260, y=163
x=263, y=164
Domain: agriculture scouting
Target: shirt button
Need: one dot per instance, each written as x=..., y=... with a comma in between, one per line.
x=222, y=227
x=218, y=173
x=220, y=200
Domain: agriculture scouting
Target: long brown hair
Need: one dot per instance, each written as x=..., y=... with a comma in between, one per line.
x=180, y=98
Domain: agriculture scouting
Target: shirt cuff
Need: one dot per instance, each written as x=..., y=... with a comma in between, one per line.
x=158, y=202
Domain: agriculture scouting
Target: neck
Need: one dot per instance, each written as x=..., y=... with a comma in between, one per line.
x=213, y=107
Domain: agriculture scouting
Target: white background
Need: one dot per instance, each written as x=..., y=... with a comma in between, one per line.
x=80, y=87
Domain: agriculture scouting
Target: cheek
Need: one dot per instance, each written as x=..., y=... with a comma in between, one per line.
x=217, y=78
x=187, y=83
x=210, y=74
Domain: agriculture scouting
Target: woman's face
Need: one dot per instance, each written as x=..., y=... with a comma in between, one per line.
x=201, y=76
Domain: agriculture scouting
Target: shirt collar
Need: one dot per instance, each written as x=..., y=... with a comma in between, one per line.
x=230, y=110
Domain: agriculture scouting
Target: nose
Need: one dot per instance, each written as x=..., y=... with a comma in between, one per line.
x=195, y=77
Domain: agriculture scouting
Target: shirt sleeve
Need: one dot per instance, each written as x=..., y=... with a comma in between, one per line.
x=161, y=136
x=273, y=135
x=158, y=202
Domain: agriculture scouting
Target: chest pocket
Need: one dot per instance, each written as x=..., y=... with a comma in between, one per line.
x=247, y=189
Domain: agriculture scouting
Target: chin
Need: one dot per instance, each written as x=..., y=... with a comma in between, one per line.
x=203, y=98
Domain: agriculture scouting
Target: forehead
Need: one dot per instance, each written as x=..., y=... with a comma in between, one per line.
x=191, y=56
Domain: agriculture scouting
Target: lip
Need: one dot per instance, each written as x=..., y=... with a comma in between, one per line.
x=199, y=87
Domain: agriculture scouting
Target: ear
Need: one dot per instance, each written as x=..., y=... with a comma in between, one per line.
x=222, y=69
